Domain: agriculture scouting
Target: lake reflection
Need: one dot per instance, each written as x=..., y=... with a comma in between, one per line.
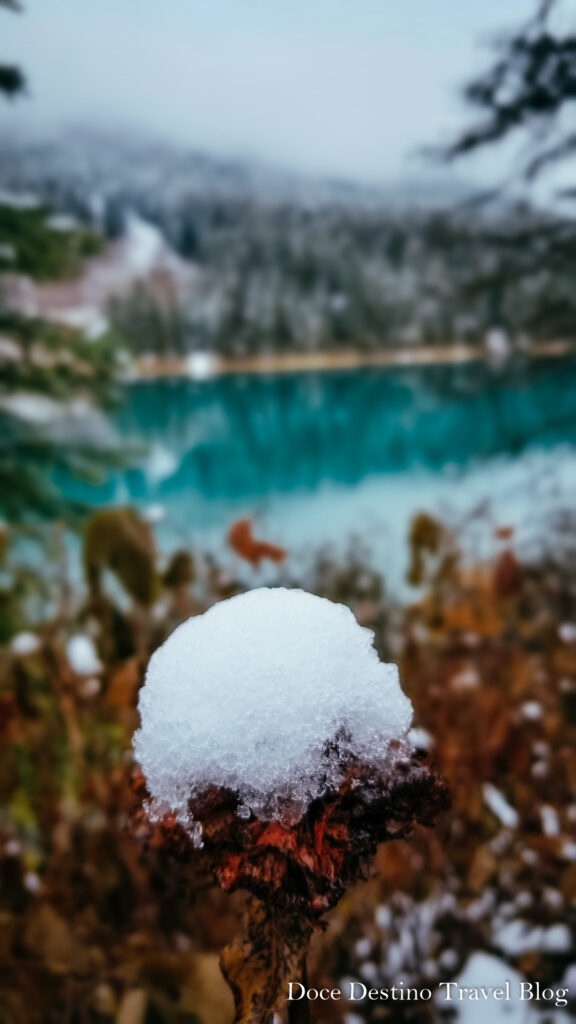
x=303, y=448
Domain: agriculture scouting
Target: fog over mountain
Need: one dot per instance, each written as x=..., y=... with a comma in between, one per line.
x=326, y=87
x=109, y=162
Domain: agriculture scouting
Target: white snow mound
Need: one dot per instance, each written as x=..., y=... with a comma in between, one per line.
x=248, y=696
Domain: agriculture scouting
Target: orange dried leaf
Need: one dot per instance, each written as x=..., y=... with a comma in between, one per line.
x=243, y=542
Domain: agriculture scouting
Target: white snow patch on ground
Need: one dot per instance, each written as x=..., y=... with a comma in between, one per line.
x=83, y=656
x=550, y=820
x=201, y=365
x=519, y=937
x=248, y=696
x=142, y=246
x=531, y=711
x=500, y=806
x=25, y=643
x=485, y=971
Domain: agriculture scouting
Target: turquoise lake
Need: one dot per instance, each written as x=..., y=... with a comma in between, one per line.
x=320, y=457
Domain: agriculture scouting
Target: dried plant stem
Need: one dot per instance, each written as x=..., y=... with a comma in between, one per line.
x=299, y=1012
x=268, y=954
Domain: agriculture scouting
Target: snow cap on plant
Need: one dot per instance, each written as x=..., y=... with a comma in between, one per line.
x=271, y=732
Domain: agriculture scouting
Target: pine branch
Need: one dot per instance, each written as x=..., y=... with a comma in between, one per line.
x=12, y=81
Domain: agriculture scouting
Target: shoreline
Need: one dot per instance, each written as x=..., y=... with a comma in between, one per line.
x=203, y=365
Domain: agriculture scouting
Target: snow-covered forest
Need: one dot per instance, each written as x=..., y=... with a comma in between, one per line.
x=280, y=263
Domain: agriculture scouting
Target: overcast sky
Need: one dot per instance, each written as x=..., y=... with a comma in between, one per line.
x=345, y=87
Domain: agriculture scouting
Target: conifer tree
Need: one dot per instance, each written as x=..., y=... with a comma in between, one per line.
x=46, y=369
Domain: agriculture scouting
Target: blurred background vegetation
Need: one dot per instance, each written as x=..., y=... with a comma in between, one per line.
x=217, y=374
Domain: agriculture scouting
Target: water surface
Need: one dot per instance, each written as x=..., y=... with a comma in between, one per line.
x=319, y=456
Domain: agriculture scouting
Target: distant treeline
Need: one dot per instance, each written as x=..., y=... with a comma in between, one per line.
x=280, y=267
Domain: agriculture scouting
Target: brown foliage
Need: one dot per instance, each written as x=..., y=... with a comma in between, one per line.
x=119, y=540
x=96, y=923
